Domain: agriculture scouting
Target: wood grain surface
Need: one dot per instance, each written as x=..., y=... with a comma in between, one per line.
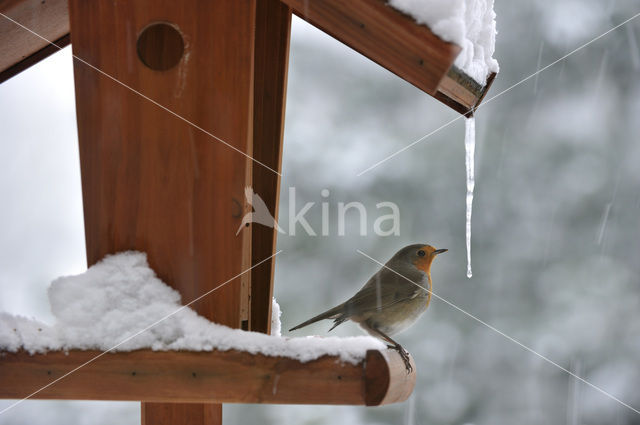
x=49, y=19
x=273, y=28
x=205, y=377
x=384, y=35
x=152, y=181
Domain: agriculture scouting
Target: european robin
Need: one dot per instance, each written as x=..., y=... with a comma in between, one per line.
x=392, y=300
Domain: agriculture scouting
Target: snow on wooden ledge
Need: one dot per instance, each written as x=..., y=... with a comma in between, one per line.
x=120, y=305
x=121, y=334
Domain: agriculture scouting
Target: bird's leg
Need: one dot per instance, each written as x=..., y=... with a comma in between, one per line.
x=405, y=357
x=404, y=354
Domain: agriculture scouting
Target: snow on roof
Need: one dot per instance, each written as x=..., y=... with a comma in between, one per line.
x=471, y=24
x=120, y=296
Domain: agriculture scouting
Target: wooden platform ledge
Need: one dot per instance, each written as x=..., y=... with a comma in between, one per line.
x=218, y=376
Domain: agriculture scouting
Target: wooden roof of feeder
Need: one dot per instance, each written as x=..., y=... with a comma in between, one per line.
x=172, y=98
x=370, y=27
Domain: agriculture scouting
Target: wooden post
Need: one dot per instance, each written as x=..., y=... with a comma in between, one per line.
x=152, y=181
x=273, y=29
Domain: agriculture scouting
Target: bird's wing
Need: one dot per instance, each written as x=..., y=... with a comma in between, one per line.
x=375, y=295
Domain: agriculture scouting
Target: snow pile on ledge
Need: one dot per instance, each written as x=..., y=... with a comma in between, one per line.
x=120, y=303
x=471, y=24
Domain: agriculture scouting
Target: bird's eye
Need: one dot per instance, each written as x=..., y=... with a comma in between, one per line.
x=421, y=253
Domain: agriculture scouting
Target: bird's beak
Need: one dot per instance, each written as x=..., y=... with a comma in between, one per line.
x=440, y=251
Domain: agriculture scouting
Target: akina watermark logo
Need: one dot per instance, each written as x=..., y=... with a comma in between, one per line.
x=386, y=223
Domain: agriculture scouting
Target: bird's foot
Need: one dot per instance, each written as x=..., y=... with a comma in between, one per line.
x=404, y=354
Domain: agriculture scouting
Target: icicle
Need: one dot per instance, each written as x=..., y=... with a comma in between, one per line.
x=469, y=148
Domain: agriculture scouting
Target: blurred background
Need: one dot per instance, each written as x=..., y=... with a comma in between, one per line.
x=556, y=228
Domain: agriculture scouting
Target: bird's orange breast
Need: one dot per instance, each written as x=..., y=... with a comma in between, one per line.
x=424, y=263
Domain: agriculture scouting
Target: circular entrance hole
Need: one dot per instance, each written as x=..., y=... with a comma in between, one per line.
x=160, y=46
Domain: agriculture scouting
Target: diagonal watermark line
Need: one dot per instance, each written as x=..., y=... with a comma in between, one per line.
x=531, y=350
x=11, y=406
x=146, y=97
x=382, y=161
x=577, y=49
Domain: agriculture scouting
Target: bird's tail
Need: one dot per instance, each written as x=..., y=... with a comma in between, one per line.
x=335, y=313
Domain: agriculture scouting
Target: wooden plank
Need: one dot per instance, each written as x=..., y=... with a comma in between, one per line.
x=398, y=43
x=151, y=181
x=384, y=35
x=460, y=92
x=273, y=29
x=29, y=61
x=204, y=377
x=177, y=413
x=386, y=378
x=48, y=18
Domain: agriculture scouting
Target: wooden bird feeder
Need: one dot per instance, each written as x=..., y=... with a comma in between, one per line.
x=169, y=95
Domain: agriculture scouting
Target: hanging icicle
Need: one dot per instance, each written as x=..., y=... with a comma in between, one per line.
x=469, y=148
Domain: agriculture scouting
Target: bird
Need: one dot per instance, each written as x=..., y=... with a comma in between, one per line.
x=391, y=300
